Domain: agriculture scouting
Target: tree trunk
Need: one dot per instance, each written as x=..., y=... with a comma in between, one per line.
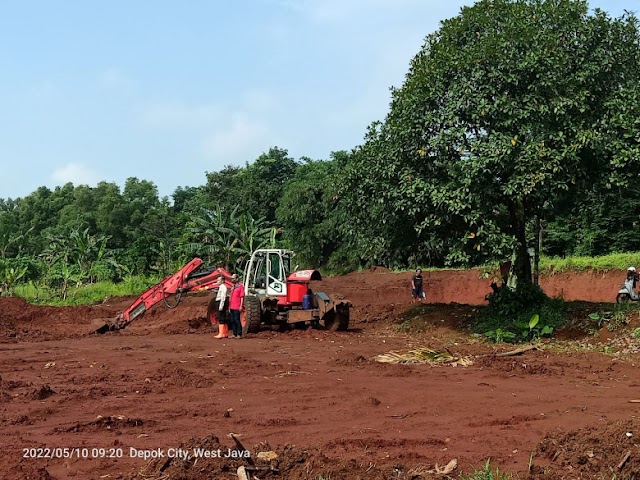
x=522, y=264
x=536, y=251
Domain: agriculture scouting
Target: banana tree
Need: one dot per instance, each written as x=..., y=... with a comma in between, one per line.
x=253, y=234
x=87, y=251
x=215, y=235
x=9, y=277
x=64, y=275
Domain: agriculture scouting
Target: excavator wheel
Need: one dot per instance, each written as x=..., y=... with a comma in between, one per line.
x=212, y=314
x=252, y=315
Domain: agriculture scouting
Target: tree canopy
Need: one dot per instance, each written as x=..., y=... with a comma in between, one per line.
x=506, y=107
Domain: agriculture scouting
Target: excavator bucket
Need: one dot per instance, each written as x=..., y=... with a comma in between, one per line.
x=104, y=325
x=100, y=326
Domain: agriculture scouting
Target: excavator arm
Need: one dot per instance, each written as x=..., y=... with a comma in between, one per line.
x=190, y=278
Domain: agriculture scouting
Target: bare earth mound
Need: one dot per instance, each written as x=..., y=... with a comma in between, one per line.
x=74, y=405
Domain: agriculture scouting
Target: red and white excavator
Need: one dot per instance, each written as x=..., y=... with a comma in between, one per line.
x=274, y=295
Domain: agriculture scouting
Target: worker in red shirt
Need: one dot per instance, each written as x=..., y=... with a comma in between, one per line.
x=236, y=302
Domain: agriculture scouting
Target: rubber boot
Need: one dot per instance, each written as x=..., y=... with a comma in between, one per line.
x=222, y=330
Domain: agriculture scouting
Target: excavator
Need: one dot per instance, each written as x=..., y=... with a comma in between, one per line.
x=274, y=295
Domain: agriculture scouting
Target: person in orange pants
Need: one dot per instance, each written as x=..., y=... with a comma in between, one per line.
x=223, y=305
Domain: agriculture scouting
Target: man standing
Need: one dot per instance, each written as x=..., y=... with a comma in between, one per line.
x=221, y=302
x=416, y=283
x=235, y=306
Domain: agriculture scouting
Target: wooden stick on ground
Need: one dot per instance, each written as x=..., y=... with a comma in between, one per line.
x=517, y=351
x=624, y=460
x=241, y=448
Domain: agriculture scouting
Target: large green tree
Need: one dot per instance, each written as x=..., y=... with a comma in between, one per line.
x=309, y=210
x=256, y=188
x=507, y=105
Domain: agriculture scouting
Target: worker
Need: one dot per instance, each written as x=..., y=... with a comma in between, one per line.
x=505, y=270
x=632, y=275
x=416, y=287
x=236, y=302
x=222, y=304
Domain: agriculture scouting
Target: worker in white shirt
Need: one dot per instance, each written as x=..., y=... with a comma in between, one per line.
x=222, y=304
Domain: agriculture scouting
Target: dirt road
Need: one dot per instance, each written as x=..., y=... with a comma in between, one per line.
x=165, y=385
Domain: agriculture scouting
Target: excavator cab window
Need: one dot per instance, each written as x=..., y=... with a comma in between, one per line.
x=286, y=265
x=275, y=266
x=276, y=281
x=261, y=273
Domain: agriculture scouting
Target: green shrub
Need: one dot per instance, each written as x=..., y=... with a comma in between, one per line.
x=520, y=315
x=615, y=318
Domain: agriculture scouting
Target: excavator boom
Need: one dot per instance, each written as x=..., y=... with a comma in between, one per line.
x=189, y=278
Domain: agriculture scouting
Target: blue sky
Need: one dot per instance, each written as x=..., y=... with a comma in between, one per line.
x=166, y=91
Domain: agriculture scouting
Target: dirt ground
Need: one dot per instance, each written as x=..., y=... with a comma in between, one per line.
x=74, y=405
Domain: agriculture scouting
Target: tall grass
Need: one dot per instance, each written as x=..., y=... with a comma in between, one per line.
x=613, y=261
x=86, y=294
x=551, y=265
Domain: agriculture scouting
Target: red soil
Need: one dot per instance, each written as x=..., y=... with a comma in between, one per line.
x=317, y=398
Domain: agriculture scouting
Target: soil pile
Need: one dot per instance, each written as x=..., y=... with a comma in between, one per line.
x=603, y=451
x=23, y=322
x=287, y=462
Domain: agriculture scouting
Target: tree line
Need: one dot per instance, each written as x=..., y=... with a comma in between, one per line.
x=517, y=128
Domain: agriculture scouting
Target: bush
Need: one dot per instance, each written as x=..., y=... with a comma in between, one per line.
x=523, y=314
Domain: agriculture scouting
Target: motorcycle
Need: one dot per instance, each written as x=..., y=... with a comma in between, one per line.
x=626, y=292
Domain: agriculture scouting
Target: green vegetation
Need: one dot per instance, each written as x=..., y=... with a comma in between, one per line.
x=86, y=294
x=616, y=318
x=518, y=316
x=481, y=158
x=613, y=261
x=411, y=320
x=480, y=150
x=487, y=473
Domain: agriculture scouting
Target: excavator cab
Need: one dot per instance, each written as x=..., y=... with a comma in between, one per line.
x=267, y=271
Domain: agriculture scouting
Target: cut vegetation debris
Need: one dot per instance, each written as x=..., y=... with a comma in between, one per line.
x=425, y=355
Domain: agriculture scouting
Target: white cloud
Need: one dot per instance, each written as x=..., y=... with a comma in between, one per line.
x=75, y=173
x=241, y=139
x=180, y=115
x=223, y=135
